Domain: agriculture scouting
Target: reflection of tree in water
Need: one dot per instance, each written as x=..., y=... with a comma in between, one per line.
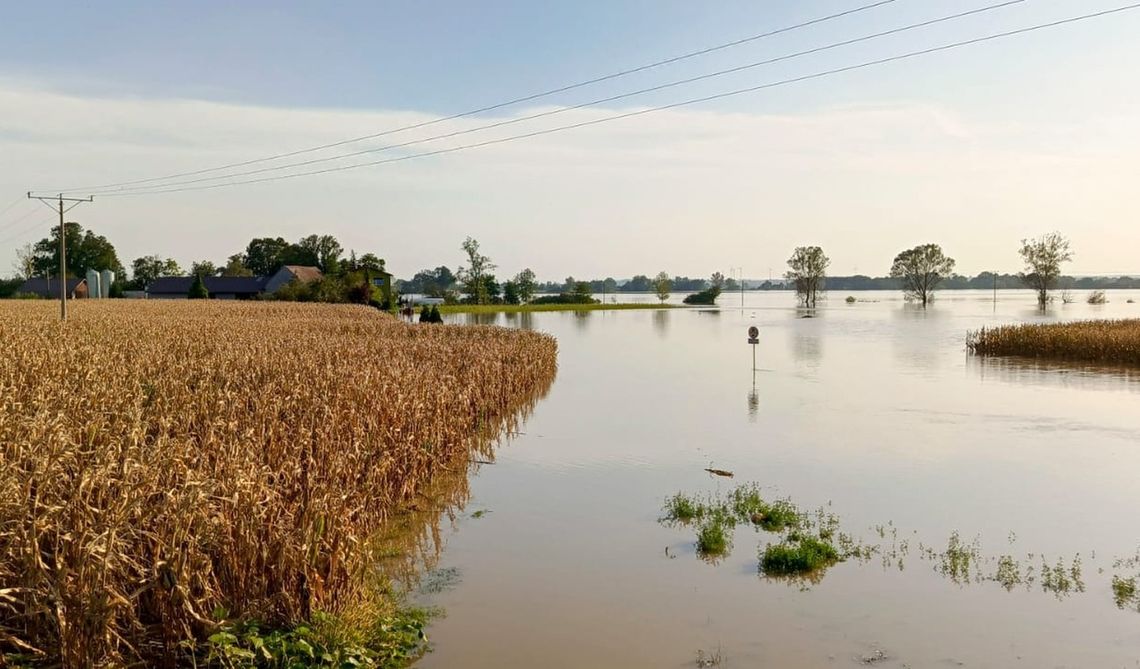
x=582, y=319
x=661, y=321
x=807, y=347
x=410, y=545
x=483, y=318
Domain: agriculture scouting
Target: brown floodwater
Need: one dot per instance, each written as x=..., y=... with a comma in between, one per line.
x=872, y=411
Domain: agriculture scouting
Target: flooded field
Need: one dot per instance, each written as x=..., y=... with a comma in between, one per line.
x=991, y=505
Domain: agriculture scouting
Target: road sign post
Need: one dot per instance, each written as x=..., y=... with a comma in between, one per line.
x=754, y=339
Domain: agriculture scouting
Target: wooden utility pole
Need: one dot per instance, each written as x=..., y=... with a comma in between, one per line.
x=60, y=199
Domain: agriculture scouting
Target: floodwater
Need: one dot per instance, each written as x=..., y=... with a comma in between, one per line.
x=873, y=411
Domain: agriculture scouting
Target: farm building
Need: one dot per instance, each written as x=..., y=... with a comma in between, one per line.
x=49, y=288
x=289, y=273
x=219, y=287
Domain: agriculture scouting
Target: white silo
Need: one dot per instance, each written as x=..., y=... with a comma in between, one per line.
x=106, y=279
x=92, y=283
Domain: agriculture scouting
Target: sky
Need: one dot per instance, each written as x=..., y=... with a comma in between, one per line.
x=973, y=148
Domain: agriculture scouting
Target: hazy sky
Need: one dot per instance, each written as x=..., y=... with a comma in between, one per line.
x=974, y=148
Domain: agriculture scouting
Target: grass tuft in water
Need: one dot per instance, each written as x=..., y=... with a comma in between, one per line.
x=797, y=555
x=682, y=508
x=1125, y=593
x=713, y=537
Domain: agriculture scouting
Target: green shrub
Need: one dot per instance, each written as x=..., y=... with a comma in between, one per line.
x=712, y=537
x=797, y=555
x=682, y=508
x=564, y=298
x=705, y=297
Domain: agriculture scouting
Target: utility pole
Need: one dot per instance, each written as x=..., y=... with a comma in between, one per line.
x=60, y=199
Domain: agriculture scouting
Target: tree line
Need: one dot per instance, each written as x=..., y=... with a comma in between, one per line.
x=922, y=270
x=347, y=278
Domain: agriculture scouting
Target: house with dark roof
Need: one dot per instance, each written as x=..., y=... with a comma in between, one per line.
x=49, y=288
x=219, y=287
x=289, y=273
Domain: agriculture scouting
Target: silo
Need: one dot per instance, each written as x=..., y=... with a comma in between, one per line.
x=92, y=283
x=107, y=278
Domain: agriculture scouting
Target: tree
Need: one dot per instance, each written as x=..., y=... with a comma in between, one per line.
x=148, y=268
x=1043, y=258
x=474, y=275
x=921, y=269
x=264, y=255
x=526, y=285
x=25, y=264
x=370, y=262
x=807, y=270
x=85, y=250
x=568, y=284
x=609, y=285
x=511, y=293
x=323, y=251
x=582, y=292
x=662, y=284
x=235, y=266
x=198, y=289
x=203, y=268
x=638, y=284
x=717, y=281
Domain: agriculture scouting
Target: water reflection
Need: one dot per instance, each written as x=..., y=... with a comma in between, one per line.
x=807, y=347
x=408, y=548
x=480, y=318
x=661, y=322
x=582, y=320
x=1055, y=374
x=753, y=400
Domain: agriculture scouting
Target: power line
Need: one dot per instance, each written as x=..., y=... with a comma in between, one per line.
x=708, y=98
x=18, y=219
x=612, y=98
x=508, y=103
x=25, y=231
x=14, y=203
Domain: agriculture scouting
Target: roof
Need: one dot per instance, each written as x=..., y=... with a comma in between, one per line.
x=225, y=285
x=303, y=273
x=48, y=287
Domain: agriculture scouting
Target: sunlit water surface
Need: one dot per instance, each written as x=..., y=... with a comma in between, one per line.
x=872, y=410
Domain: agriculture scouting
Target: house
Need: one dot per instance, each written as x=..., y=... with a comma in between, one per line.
x=383, y=281
x=288, y=273
x=219, y=287
x=49, y=288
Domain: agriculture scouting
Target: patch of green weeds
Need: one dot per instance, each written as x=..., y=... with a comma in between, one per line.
x=480, y=513
x=1125, y=593
x=394, y=641
x=777, y=517
x=682, y=508
x=1008, y=572
x=797, y=556
x=1060, y=580
x=713, y=538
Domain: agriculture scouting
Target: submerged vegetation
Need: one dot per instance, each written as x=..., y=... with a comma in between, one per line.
x=809, y=543
x=213, y=477
x=797, y=555
x=1106, y=341
x=545, y=306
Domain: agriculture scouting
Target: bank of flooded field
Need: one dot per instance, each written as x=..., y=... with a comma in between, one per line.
x=173, y=470
x=1097, y=341
x=980, y=509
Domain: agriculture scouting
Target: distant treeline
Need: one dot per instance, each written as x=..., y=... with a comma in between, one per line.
x=983, y=281
x=430, y=281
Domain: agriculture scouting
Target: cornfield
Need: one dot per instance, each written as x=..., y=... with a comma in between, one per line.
x=1105, y=341
x=164, y=461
